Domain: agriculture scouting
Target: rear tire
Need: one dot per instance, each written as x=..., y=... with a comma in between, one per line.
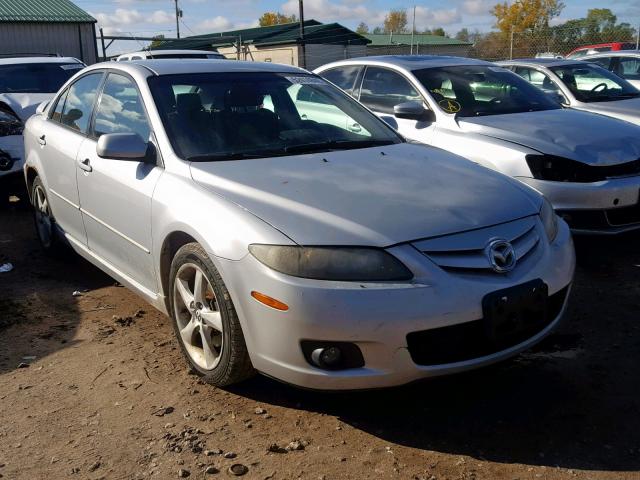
x=44, y=221
x=205, y=320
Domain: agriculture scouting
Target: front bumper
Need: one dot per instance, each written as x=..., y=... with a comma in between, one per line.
x=12, y=147
x=607, y=207
x=377, y=317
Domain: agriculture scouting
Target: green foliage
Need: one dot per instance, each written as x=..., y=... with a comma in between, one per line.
x=275, y=18
x=396, y=21
x=362, y=28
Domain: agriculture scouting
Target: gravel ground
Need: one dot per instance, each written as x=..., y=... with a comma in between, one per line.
x=87, y=395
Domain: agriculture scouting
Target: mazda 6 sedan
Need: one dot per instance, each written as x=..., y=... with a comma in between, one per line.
x=587, y=165
x=287, y=230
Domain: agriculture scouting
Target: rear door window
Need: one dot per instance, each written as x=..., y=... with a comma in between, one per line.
x=629, y=68
x=344, y=77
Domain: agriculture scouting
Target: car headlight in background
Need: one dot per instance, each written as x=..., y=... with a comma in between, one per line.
x=10, y=124
x=350, y=264
x=549, y=219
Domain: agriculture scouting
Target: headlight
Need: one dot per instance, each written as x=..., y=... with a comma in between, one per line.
x=350, y=264
x=9, y=124
x=549, y=219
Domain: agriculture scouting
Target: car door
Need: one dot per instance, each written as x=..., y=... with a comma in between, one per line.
x=382, y=89
x=629, y=69
x=346, y=77
x=116, y=195
x=543, y=81
x=62, y=134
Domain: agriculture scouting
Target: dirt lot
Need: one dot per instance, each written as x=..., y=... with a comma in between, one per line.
x=112, y=400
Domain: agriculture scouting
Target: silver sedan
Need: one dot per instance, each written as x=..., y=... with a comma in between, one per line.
x=588, y=165
x=581, y=85
x=287, y=230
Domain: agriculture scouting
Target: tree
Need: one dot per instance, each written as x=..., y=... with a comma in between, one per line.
x=275, y=18
x=463, y=35
x=157, y=41
x=378, y=30
x=439, y=32
x=526, y=15
x=362, y=28
x=395, y=21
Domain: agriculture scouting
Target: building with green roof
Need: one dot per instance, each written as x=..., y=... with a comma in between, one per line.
x=405, y=43
x=323, y=43
x=47, y=27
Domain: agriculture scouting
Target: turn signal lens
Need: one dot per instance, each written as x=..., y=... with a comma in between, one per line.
x=270, y=302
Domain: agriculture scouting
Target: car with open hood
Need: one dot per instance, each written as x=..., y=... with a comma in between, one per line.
x=25, y=82
x=311, y=244
x=588, y=165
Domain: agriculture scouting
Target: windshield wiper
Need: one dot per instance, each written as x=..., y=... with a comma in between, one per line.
x=336, y=145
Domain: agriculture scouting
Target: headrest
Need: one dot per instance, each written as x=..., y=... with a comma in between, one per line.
x=242, y=97
x=188, y=102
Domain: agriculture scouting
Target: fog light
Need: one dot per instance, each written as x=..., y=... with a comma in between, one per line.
x=330, y=355
x=327, y=357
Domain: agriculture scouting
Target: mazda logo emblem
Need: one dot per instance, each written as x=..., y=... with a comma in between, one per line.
x=501, y=255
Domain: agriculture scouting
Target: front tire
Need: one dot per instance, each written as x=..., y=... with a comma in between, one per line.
x=205, y=320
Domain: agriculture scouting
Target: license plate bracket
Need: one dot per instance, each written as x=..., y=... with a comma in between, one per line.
x=514, y=314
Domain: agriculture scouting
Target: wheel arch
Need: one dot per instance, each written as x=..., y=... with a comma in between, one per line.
x=30, y=175
x=170, y=246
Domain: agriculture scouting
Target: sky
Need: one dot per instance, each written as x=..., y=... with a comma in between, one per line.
x=153, y=17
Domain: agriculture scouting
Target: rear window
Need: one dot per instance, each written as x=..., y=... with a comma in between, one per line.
x=36, y=77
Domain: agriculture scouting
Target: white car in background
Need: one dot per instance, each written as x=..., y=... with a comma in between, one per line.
x=586, y=164
x=582, y=85
x=169, y=54
x=25, y=82
x=625, y=64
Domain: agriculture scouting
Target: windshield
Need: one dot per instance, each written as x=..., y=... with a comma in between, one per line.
x=591, y=83
x=475, y=90
x=36, y=77
x=228, y=116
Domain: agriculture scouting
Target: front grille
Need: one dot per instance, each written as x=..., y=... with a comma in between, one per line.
x=466, y=251
x=466, y=341
x=559, y=169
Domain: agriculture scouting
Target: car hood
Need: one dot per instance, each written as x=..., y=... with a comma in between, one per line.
x=628, y=110
x=24, y=104
x=582, y=136
x=365, y=197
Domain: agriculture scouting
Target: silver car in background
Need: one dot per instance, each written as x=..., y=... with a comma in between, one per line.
x=310, y=243
x=581, y=85
x=588, y=165
x=625, y=64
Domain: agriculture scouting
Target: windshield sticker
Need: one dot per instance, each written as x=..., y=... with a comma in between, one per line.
x=305, y=80
x=450, y=106
x=72, y=66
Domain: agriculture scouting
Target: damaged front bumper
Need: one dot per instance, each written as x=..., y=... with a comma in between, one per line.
x=11, y=155
x=606, y=207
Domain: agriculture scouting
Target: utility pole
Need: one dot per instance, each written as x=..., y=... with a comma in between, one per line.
x=178, y=16
x=511, y=45
x=304, y=49
x=104, y=50
x=413, y=28
x=638, y=39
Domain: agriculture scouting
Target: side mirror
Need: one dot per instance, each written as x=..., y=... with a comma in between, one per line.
x=122, y=146
x=413, y=111
x=41, y=108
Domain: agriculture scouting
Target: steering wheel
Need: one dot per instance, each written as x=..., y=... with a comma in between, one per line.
x=601, y=87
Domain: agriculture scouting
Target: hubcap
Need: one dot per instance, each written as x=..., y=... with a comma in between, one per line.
x=43, y=217
x=198, y=316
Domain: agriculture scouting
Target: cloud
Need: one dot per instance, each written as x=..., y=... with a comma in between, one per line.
x=325, y=10
x=477, y=7
x=427, y=17
x=123, y=17
x=214, y=24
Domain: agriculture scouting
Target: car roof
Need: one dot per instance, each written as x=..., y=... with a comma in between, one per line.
x=613, y=53
x=413, y=62
x=546, y=62
x=24, y=60
x=165, y=52
x=183, y=66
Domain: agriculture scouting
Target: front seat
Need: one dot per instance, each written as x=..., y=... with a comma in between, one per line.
x=194, y=126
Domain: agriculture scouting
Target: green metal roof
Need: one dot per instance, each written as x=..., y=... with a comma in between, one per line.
x=384, y=39
x=43, y=11
x=314, y=32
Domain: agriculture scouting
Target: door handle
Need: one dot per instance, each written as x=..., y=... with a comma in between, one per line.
x=304, y=116
x=355, y=127
x=42, y=140
x=85, y=165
